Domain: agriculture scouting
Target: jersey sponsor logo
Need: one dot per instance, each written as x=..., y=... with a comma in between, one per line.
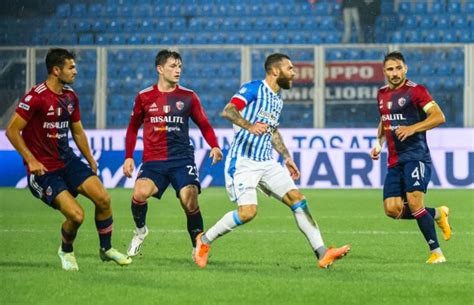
x=166, y=119
x=24, y=106
x=393, y=117
x=167, y=128
x=179, y=105
x=28, y=98
x=58, y=125
x=402, y=101
x=56, y=135
x=267, y=115
x=70, y=108
x=166, y=108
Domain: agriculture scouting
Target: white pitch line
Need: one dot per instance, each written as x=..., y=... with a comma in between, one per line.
x=241, y=231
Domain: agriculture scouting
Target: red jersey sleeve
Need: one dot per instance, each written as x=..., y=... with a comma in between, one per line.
x=198, y=115
x=136, y=121
x=28, y=105
x=76, y=113
x=421, y=96
x=239, y=103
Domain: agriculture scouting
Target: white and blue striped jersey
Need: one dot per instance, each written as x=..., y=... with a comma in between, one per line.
x=262, y=105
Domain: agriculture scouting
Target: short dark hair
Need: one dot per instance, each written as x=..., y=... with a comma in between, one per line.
x=56, y=58
x=163, y=56
x=274, y=59
x=395, y=55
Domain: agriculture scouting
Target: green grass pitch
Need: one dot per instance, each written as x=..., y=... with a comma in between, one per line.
x=267, y=261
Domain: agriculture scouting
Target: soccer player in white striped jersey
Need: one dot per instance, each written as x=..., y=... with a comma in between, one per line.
x=255, y=112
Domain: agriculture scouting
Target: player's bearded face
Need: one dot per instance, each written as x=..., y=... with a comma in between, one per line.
x=395, y=72
x=285, y=79
x=68, y=72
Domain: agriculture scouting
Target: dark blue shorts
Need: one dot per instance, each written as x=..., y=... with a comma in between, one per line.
x=179, y=173
x=68, y=178
x=406, y=178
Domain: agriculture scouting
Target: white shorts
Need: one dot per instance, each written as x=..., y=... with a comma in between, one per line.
x=243, y=176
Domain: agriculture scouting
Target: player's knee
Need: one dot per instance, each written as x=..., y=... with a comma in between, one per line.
x=294, y=196
x=77, y=217
x=103, y=201
x=247, y=213
x=392, y=210
x=140, y=195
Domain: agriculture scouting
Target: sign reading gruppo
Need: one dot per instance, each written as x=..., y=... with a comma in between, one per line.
x=353, y=82
x=346, y=82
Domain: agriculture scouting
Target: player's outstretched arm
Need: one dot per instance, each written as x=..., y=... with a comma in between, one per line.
x=80, y=138
x=231, y=113
x=279, y=146
x=13, y=133
x=435, y=117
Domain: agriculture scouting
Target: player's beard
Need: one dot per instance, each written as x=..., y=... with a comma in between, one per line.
x=397, y=82
x=284, y=82
x=63, y=81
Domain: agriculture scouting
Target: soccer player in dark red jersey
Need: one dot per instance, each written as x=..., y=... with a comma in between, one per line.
x=407, y=111
x=39, y=131
x=164, y=110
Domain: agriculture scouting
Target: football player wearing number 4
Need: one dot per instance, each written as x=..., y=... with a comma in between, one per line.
x=407, y=111
x=255, y=112
x=164, y=110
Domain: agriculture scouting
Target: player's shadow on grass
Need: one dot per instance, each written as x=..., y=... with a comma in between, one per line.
x=24, y=264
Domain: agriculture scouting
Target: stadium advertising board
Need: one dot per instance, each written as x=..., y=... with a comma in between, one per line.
x=327, y=158
x=346, y=82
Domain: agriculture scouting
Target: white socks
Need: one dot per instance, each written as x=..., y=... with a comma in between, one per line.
x=307, y=225
x=226, y=224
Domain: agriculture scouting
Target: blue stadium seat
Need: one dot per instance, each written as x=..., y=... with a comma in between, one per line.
x=469, y=7
x=63, y=10
x=134, y=39
x=145, y=26
x=410, y=22
x=233, y=38
x=83, y=26
x=437, y=8
x=443, y=22
x=163, y=25
x=150, y=38
x=459, y=21
x=264, y=38
x=114, y=26
x=421, y=8
x=443, y=69
x=397, y=37
x=281, y=38
x=405, y=8
x=298, y=38
x=95, y=10
x=117, y=38
x=79, y=10
x=426, y=22
x=449, y=36
x=466, y=36
x=86, y=39
x=454, y=7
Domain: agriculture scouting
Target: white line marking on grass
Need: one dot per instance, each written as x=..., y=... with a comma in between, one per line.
x=242, y=231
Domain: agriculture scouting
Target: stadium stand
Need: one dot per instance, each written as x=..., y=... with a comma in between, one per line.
x=202, y=22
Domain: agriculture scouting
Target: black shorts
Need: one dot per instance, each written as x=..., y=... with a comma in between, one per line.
x=69, y=178
x=179, y=173
x=406, y=178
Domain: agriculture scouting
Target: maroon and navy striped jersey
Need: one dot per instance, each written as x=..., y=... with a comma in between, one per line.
x=165, y=118
x=48, y=117
x=404, y=106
